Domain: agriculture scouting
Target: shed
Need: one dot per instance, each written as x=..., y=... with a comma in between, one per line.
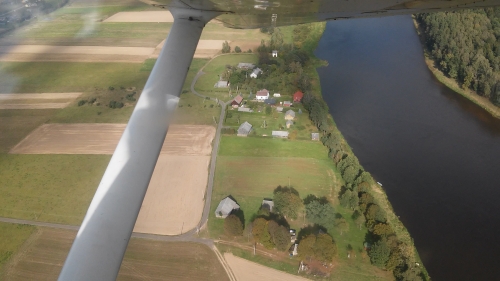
x=290, y=115
x=221, y=84
x=276, y=95
x=315, y=136
x=237, y=100
x=289, y=123
x=244, y=109
x=275, y=53
x=270, y=101
x=244, y=129
x=297, y=97
x=268, y=204
x=280, y=134
x=279, y=108
x=287, y=103
x=226, y=206
x=246, y=65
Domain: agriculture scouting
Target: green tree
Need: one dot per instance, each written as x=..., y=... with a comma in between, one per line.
x=320, y=247
x=280, y=235
x=268, y=110
x=379, y=253
x=226, y=48
x=233, y=225
x=287, y=202
x=382, y=229
x=237, y=49
x=321, y=213
x=258, y=227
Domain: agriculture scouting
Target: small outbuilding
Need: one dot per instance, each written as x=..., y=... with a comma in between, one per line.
x=289, y=123
x=280, y=134
x=287, y=103
x=275, y=53
x=276, y=95
x=221, y=84
x=246, y=65
x=290, y=115
x=297, y=97
x=244, y=109
x=244, y=129
x=270, y=101
x=226, y=206
x=268, y=204
x=315, y=136
x=279, y=108
x=237, y=101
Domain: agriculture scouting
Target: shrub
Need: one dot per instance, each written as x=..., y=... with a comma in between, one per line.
x=233, y=225
x=237, y=49
x=81, y=102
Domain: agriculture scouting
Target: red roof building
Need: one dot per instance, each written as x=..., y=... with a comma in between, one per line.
x=297, y=97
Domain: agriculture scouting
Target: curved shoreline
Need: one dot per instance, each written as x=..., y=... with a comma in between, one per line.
x=480, y=101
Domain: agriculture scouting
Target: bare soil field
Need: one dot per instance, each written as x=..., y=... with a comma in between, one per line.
x=141, y=16
x=205, y=48
x=71, y=139
x=14, y=57
x=95, y=138
x=41, y=96
x=87, y=50
x=245, y=270
x=52, y=105
x=42, y=257
x=175, y=197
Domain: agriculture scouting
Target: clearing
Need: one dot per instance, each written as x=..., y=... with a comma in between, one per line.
x=43, y=256
x=246, y=270
x=141, y=16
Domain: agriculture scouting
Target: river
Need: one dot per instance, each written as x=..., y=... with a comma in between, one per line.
x=437, y=154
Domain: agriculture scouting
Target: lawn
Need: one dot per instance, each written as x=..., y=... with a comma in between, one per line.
x=271, y=147
x=12, y=237
x=251, y=179
x=52, y=188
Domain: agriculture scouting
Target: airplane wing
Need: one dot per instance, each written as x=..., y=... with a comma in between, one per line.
x=100, y=244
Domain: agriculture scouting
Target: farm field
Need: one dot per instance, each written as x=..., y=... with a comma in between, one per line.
x=12, y=237
x=245, y=270
x=53, y=188
x=43, y=257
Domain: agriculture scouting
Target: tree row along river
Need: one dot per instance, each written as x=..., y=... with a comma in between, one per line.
x=436, y=153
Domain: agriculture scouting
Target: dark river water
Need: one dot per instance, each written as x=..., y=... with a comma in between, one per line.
x=437, y=155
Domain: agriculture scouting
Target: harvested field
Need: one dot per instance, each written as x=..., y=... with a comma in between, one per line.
x=141, y=16
x=42, y=259
x=87, y=50
x=94, y=138
x=52, y=105
x=42, y=96
x=14, y=57
x=246, y=270
x=175, y=197
x=205, y=48
x=71, y=139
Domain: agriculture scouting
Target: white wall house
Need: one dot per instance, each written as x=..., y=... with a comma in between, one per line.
x=262, y=95
x=256, y=73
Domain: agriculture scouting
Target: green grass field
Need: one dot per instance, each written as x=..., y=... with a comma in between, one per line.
x=53, y=188
x=12, y=237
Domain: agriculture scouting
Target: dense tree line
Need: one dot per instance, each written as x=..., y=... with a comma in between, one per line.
x=465, y=46
x=384, y=248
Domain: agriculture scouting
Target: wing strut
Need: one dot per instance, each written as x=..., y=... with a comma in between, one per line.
x=100, y=244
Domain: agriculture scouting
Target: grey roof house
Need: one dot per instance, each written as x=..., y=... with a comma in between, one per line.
x=244, y=129
x=280, y=134
x=226, y=206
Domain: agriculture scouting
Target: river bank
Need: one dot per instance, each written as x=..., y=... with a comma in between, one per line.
x=472, y=96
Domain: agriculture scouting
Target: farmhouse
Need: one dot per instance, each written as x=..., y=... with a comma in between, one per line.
x=268, y=204
x=246, y=65
x=290, y=115
x=226, y=206
x=297, y=97
x=244, y=129
x=280, y=134
x=221, y=84
x=237, y=101
x=262, y=95
x=256, y=73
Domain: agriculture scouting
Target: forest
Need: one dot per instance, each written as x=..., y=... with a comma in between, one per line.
x=465, y=46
